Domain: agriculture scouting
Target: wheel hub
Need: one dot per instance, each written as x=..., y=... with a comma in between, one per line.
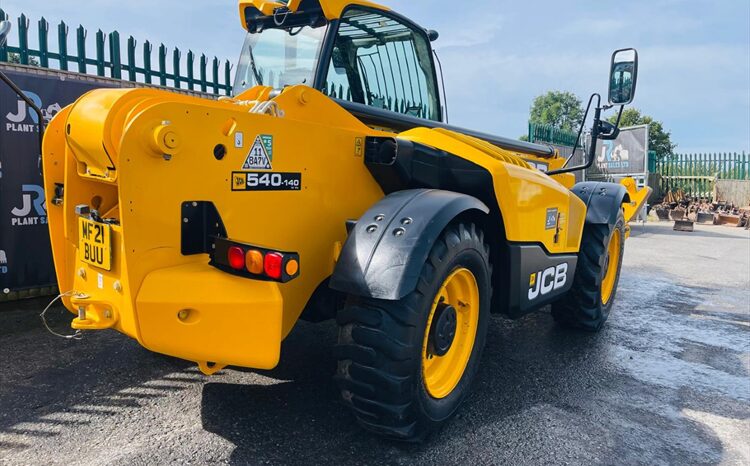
x=443, y=330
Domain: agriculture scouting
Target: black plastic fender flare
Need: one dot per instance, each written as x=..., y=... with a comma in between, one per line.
x=387, y=248
x=603, y=201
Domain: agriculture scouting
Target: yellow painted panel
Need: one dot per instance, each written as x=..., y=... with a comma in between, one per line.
x=332, y=9
x=524, y=194
x=201, y=314
x=637, y=198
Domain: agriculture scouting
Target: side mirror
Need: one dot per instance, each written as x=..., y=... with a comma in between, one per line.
x=623, y=76
x=4, y=31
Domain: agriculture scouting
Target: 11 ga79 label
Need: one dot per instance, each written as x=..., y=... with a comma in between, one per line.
x=266, y=181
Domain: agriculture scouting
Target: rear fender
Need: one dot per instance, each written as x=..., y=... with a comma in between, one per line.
x=603, y=201
x=386, y=249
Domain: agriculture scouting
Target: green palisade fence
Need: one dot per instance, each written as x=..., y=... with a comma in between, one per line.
x=551, y=135
x=109, y=60
x=695, y=174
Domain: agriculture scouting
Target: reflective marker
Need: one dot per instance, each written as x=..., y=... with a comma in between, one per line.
x=292, y=267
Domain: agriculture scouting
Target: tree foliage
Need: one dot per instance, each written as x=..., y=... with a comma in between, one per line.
x=16, y=59
x=659, y=140
x=560, y=109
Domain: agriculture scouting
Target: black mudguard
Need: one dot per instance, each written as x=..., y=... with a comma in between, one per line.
x=387, y=248
x=603, y=201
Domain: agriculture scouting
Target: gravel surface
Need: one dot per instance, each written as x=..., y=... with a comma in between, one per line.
x=667, y=382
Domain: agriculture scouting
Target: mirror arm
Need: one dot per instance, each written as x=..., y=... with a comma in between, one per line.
x=619, y=116
x=597, y=116
x=616, y=127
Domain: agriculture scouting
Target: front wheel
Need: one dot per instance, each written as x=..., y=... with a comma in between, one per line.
x=588, y=304
x=405, y=366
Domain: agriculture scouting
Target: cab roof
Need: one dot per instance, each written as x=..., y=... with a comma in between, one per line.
x=332, y=9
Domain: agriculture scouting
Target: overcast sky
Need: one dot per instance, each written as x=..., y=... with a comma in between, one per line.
x=498, y=55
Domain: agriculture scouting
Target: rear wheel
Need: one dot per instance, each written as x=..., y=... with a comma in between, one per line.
x=405, y=366
x=590, y=301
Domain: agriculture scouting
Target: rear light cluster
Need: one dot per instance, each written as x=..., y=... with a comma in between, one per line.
x=254, y=262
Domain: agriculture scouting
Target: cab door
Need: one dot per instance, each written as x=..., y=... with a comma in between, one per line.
x=383, y=61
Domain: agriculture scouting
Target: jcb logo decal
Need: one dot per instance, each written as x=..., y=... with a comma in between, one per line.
x=548, y=280
x=240, y=180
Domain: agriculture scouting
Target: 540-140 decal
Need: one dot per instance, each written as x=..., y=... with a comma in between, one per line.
x=266, y=181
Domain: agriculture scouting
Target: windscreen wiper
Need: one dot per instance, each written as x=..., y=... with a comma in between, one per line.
x=256, y=73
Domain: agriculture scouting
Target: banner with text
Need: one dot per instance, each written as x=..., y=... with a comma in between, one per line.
x=25, y=254
x=626, y=155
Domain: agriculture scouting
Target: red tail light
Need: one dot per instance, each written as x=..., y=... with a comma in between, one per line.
x=272, y=265
x=236, y=258
x=254, y=262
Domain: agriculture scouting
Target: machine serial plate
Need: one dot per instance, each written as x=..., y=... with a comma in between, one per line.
x=95, y=243
x=266, y=181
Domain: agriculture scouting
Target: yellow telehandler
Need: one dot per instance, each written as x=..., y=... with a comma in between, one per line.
x=329, y=186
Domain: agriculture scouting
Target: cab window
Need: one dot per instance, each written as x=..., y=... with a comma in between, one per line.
x=381, y=62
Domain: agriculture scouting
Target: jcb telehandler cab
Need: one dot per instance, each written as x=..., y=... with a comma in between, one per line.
x=328, y=186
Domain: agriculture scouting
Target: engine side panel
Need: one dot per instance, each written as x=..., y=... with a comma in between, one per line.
x=535, y=208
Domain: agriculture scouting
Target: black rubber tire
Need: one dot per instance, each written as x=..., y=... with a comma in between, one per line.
x=582, y=307
x=380, y=344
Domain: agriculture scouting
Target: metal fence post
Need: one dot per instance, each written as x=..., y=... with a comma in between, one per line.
x=190, y=70
x=62, y=45
x=203, y=66
x=228, y=78
x=215, y=69
x=132, y=66
x=176, y=67
x=43, y=27
x=162, y=65
x=23, y=39
x=100, y=61
x=147, y=70
x=114, y=55
x=81, y=46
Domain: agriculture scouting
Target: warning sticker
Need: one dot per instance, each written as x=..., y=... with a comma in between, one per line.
x=261, y=154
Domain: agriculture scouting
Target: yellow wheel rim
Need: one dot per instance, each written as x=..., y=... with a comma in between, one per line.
x=442, y=374
x=613, y=260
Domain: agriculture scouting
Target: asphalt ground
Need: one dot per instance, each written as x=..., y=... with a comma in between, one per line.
x=667, y=382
